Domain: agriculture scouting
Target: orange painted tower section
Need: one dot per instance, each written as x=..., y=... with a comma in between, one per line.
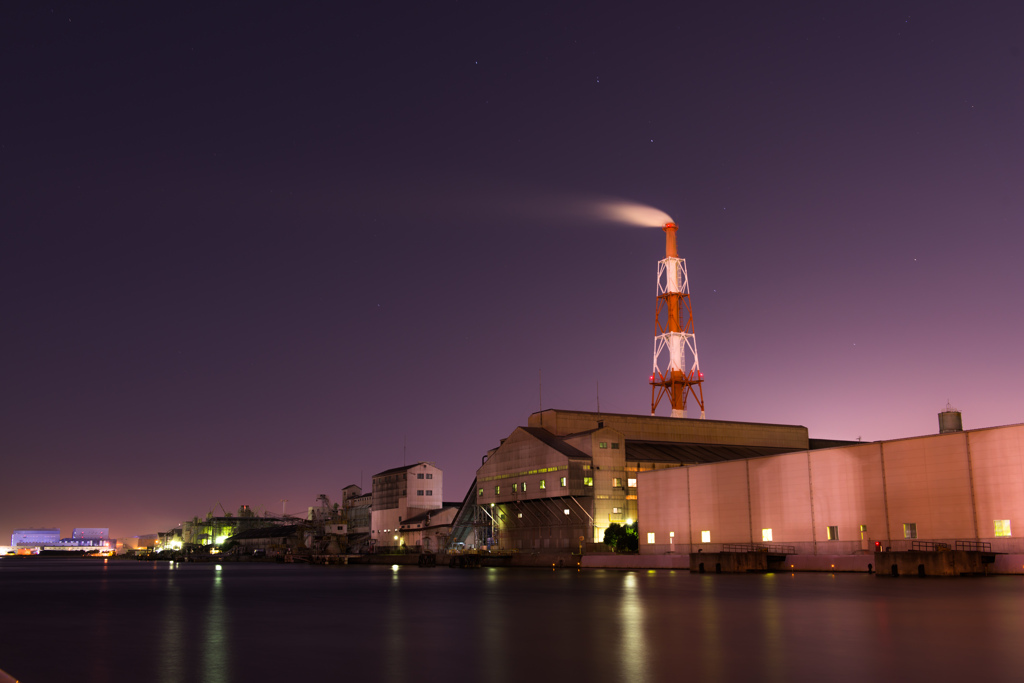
x=676, y=372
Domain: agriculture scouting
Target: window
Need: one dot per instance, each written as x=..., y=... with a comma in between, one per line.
x=910, y=530
x=705, y=537
x=671, y=537
x=429, y=492
x=497, y=490
x=832, y=533
x=863, y=531
x=615, y=445
x=480, y=492
x=588, y=481
x=419, y=476
x=543, y=485
x=515, y=488
x=566, y=511
x=1002, y=527
x=617, y=482
x=650, y=537
x=603, y=444
x=766, y=535
x=631, y=483
x=524, y=487
x=419, y=492
x=616, y=511
x=430, y=475
x=563, y=482
x=520, y=515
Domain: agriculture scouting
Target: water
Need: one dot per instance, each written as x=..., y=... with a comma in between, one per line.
x=87, y=620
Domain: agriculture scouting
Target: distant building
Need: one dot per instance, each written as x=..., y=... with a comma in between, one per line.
x=90, y=534
x=429, y=531
x=401, y=493
x=35, y=536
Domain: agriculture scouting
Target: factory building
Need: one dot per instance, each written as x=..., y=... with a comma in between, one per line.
x=35, y=537
x=949, y=487
x=401, y=493
x=561, y=480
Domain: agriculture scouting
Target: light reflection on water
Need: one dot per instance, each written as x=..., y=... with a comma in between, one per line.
x=252, y=622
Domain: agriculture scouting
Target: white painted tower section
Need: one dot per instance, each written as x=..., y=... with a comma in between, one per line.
x=672, y=347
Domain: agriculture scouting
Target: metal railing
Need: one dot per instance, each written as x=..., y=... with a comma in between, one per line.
x=928, y=545
x=980, y=546
x=758, y=548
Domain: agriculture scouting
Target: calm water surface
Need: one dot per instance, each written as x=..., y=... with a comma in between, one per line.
x=87, y=620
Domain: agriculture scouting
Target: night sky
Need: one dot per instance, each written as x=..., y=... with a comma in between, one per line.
x=247, y=251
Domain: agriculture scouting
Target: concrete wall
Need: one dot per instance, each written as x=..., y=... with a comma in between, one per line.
x=951, y=486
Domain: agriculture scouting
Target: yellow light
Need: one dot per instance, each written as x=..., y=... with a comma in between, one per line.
x=629, y=521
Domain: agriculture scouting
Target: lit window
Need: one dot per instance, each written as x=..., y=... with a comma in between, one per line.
x=419, y=492
x=1003, y=527
x=497, y=490
x=588, y=481
x=566, y=511
x=766, y=535
x=515, y=487
x=603, y=444
x=480, y=492
x=650, y=537
x=617, y=482
x=615, y=445
x=910, y=530
x=631, y=483
x=671, y=535
x=616, y=511
x=563, y=482
x=543, y=485
x=520, y=515
x=832, y=533
x=705, y=537
x=863, y=531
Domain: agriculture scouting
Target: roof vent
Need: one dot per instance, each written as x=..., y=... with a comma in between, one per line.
x=950, y=420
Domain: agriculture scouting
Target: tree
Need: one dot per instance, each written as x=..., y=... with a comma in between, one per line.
x=622, y=539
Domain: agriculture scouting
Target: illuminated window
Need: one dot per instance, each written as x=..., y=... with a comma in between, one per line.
x=563, y=482
x=520, y=515
x=543, y=485
x=603, y=444
x=524, y=487
x=705, y=537
x=497, y=490
x=910, y=530
x=615, y=445
x=766, y=535
x=480, y=492
x=863, y=531
x=671, y=537
x=588, y=481
x=617, y=482
x=631, y=483
x=1003, y=527
x=566, y=511
x=650, y=537
x=515, y=487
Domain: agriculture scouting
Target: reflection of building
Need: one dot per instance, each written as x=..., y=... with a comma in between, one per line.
x=399, y=494
x=562, y=479
x=954, y=486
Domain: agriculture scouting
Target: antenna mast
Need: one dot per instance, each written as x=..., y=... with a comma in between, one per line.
x=673, y=375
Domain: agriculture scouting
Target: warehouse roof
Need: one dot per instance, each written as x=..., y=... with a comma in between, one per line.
x=549, y=439
x=694, y=453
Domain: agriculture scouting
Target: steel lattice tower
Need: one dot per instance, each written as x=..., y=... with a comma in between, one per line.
x=674, y=340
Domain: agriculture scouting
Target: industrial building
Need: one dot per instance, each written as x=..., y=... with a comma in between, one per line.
x=561, y=480
x=955, y=486
x=401, y=493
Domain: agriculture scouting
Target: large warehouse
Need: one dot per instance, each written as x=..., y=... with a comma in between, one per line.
x=559, y=481
x=954, y=486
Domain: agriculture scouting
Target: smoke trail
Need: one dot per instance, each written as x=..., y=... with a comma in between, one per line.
x=630, y=213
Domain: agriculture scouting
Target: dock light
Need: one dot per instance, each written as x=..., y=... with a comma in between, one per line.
x=394, y=567
x=396, y=538
x=629, y=521
x=218, y=567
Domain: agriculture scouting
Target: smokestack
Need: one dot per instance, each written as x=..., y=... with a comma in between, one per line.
x=950, y=420
x=675, y=339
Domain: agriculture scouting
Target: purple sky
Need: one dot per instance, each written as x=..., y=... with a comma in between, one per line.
x=246, y=252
